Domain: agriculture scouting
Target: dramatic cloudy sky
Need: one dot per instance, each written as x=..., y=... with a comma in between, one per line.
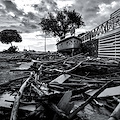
x=25, y=15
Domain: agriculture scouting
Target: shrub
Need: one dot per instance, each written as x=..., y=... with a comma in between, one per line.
x=12, y=49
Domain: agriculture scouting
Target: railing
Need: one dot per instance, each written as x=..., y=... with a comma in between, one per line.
x=105, y=27
x=116, y=13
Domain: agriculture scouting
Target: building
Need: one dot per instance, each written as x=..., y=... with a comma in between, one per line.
x=69, y=45
x=105, y=38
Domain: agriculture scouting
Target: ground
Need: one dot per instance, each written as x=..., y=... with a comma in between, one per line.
x=10, y=61
x=6, y=66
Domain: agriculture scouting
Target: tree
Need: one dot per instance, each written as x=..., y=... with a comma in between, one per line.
x=9, y=36
x=62, y=23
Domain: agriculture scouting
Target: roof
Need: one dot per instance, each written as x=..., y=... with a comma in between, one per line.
x=65, y=39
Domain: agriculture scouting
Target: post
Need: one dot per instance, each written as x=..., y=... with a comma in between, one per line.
x=72, y=52
x=45, y=42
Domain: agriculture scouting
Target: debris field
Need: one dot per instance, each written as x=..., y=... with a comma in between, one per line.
x=57, y=87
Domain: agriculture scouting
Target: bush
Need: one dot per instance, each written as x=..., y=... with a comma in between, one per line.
x=12, y=49
x=90, y=48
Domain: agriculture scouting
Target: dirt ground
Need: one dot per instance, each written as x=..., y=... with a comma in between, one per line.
x=6, y=66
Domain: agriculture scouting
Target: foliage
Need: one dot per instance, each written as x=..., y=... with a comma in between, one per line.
x=11, y=49
x=90, y=48
x=61, y=23
x=9, y=36
x=81, y=34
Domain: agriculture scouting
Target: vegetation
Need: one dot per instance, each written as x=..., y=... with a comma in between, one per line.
x=90, y=48
x=62, y=23
x=11, y=49
x=9, y=36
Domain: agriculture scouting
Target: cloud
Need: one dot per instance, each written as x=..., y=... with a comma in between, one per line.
x=2, y=10
x=46, y=6
x=66, y=3
x=95, y=12
x=33, y=42
x=24, y=15
x=31, y=16
x=107, y=9
x=11, y=7
x=7, y=20
x=14, y=16
x=29, y=13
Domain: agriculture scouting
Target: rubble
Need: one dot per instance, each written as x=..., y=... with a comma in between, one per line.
x=59, y=87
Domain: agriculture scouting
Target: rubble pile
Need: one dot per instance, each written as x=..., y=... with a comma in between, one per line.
x=68, y=88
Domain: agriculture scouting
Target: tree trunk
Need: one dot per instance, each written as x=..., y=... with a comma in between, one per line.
x=11, y=44
x=17, y=100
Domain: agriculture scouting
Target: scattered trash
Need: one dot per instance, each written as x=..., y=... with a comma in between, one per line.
x=59, y=87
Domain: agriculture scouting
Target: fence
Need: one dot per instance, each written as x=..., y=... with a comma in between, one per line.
x=108, y=36
x=109, y=44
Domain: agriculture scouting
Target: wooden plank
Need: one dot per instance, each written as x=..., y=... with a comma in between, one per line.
x=81, y=107
x=25, y=66
x=107, y=39
x=113, y=91
x=107, y=42
x=70, y=70
x=106, y=56
x=8, y=82
x=117, y=39
x=115, y=114
x=64, y=104
x=117, y=48
x=107, y=51
x=105, y=45
x=37, y=61
x=5, y=102
x=109, y=45
x=115, y=42
x=64, y=100
x=109, y=54
x=115, y=14
x=49, y=104
x=60, y=113
x=56, y=87
x=110, y=51
x=110, y=33
x=17, y=99
x=62, y=78
x=100, y=64
x=69, y=84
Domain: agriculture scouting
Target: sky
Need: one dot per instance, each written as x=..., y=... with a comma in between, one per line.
x=25, y=15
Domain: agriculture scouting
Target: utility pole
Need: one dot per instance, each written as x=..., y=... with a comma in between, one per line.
x=45, y=42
